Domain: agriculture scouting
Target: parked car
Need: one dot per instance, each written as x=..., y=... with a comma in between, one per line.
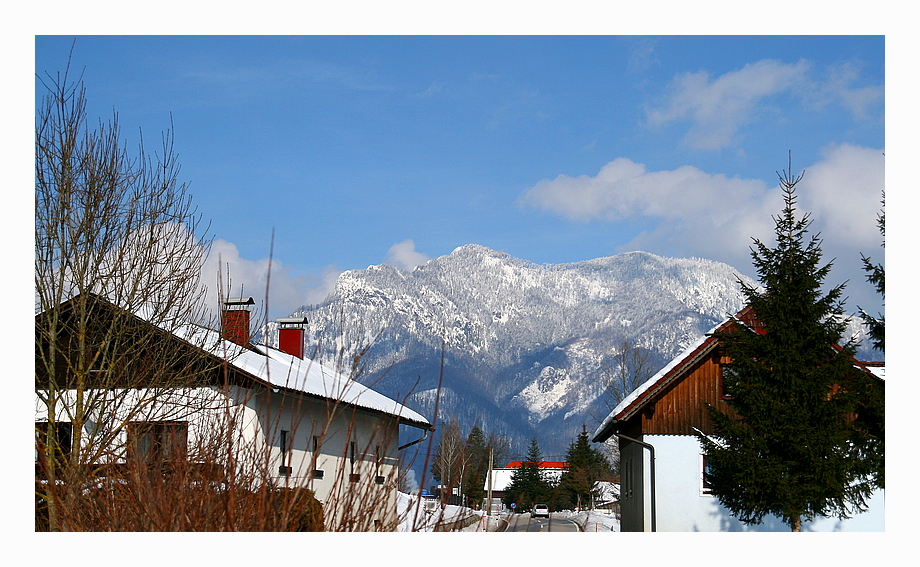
x=540, y=510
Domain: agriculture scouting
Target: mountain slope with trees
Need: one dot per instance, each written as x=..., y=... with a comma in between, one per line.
x=529, y=349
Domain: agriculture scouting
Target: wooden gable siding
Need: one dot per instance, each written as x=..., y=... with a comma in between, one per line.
x=681, y=406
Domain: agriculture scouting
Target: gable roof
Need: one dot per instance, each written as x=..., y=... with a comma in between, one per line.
x=635, y=400
x=276, y=369
x=699, y=349
x=303, y=376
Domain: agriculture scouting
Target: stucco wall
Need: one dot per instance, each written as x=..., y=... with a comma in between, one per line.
x=362, y=503
x=349, y=443
x=683, y=507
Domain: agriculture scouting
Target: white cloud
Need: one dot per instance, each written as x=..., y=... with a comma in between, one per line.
x=623, y=189
x=403, y=255
x=718, y=108
x=843, y=192
x=837, y=86
x=715, y=216
x=226, y=269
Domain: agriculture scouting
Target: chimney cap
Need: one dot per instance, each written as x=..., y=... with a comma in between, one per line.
x=238, y=301
x=289, y=322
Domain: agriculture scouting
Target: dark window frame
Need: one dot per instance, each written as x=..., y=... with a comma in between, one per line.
x=63, y=431
x=158, y=441
x=705, y=486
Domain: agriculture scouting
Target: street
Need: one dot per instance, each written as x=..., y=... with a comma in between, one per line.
x=526, y=523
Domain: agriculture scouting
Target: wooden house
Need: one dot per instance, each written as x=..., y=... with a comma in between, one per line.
x=662, y=465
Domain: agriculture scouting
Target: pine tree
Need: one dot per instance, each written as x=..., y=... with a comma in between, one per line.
x=796, y=450
x=528, y=484
x=875, y=274
x=478, y=454
x=587, y=465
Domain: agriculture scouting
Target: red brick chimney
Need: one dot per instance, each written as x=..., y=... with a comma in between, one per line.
x=290, y=335
x=234, y=320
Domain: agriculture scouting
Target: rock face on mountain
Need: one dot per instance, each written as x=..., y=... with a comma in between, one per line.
x=527, y=348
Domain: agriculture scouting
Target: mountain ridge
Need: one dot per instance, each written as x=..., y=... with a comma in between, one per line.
x=527, y=348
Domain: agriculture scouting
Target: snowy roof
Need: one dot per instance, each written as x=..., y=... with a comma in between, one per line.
x=309, y=377
x=283, y=370
x=659, y=379
x=624, y=409
x=876, y=368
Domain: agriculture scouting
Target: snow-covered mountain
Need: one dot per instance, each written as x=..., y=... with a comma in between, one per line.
x=526, y=347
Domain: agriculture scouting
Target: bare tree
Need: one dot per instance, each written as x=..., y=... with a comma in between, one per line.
x=632, y=366
x=117, y=228
x=451, y=458
x=123, y=364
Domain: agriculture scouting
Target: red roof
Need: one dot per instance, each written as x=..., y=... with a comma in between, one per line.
x=543, y=464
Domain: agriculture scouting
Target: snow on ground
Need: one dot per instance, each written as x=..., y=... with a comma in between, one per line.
x=413, y=518
x=592, y=521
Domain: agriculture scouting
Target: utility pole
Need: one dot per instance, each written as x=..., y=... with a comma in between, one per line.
x=489, y=500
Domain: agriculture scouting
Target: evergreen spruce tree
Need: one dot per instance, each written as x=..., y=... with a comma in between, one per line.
x=792, y=448
x=478, y=454
x=528, y=484
x=587, y=465
x=875, y=273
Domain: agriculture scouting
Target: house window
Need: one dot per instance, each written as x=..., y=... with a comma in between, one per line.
x=284, y=444
x=378, y=461
x=63, y=436
x=705, y=487
x=353, y=457
x=314, y=459
x=158, y=441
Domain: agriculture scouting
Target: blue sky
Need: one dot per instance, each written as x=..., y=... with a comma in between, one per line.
x=358, y=150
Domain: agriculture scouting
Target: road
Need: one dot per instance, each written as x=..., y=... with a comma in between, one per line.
x=526, y=523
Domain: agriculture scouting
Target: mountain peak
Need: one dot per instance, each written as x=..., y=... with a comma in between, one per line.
x=524, y=349
x=477, y=250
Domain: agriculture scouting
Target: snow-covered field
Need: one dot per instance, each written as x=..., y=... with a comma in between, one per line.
x=592, y=521
x=416, y=519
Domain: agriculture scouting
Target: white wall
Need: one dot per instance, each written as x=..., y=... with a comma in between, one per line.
x=259, y=415
x=682, y=507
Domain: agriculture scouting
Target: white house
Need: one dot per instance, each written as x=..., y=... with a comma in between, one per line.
x=662, y=465
x=294, y=421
